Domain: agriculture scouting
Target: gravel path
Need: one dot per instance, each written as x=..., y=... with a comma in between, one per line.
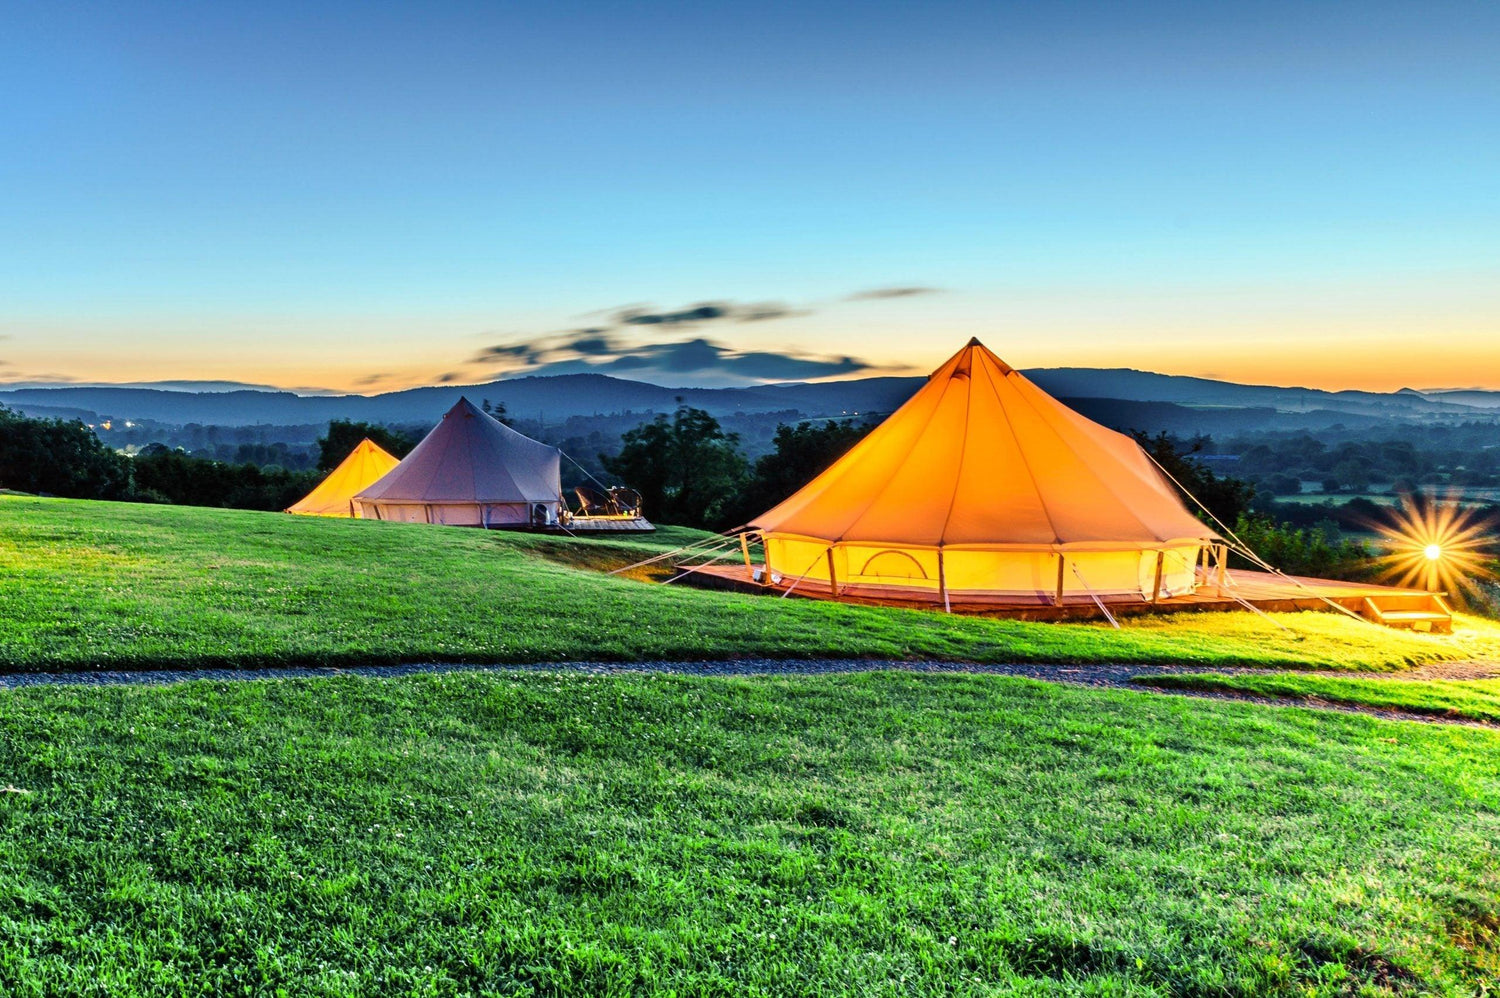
x=1083, y=675
x=1120, y=676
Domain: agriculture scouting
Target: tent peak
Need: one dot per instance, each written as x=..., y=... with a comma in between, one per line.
x=969, y=349
x=334, y=495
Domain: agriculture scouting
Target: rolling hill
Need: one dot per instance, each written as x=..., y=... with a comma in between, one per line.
x=555, y=398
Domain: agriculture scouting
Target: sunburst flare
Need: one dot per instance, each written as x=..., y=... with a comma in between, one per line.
x=1436, y=544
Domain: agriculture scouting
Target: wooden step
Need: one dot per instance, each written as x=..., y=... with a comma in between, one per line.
x=1416, y=612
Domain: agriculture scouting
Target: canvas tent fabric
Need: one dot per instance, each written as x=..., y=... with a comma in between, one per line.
x=472, y=470
x=334, y=496
x=983, y=483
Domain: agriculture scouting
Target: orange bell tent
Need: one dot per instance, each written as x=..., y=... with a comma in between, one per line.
x=982, y=485
x=334, y=496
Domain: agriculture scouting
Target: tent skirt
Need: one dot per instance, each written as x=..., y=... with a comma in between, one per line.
x=1112, y=570
x=474, y=514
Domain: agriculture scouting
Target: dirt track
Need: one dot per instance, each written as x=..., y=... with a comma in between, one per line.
x=1119, y=676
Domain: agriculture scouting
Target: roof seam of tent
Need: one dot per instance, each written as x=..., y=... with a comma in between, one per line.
x=506, y=469
x=1103, y=482
x=1088, y=467
x=470, y=465
x=510, y=475
x=1075, y=418
x=474, y=430
x=1025, y=460
x=963, y=450
x=845, y=465
x=442, y=458
x=916, y=440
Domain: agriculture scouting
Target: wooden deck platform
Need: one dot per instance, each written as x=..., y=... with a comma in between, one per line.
x=1414, y=608
x=610, y=525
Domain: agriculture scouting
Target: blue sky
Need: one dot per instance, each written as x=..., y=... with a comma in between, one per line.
x=370, y=196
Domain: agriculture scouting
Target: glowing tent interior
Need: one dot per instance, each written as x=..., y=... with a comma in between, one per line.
x=981, y=485
x=366, y=464
x=471, y=470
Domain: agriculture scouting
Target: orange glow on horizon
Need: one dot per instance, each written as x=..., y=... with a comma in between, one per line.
x=373, y=354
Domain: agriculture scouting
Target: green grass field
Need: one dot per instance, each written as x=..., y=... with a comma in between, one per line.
x=873, y=834
x=89, y=585
x=1474, y=700
x=564, y=834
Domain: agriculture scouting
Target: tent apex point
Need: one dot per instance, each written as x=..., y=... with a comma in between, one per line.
x=974, y=344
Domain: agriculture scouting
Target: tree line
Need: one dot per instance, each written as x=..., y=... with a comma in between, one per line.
x=66, y=458
x=1440, y=456
x=688, y=469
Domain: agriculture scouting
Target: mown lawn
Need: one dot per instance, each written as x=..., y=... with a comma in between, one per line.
x=1474, y=700
x=871, y=834
x=88, y=585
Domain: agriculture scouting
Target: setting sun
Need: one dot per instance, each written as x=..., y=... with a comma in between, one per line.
x=1437, y=545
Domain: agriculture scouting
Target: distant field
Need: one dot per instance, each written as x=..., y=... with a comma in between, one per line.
x=882, y=834
x=1475, y=496
x=1474, y=700
x=88, y=585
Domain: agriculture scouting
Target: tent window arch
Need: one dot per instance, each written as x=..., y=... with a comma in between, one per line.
x=894, y=564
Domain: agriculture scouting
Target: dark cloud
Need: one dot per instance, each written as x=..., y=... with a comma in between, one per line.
x=448, y=377
x=696, y=362
x=372, y=379
x=900, y=291
x=767, y=311
x=617, y=348
x=592, y=345
x=695, y=315
x=781, y=367
x=522, y=350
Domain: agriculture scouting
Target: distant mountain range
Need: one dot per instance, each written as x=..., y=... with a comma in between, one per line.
x=1466, y=396
x=1126, y=396
x=166, y=386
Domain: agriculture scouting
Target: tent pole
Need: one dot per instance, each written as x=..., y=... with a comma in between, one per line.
x=1156, y=589
x=745, y=550
x=833, y=579
x=1061, y=567
x=1223, y=552
x=943, y=582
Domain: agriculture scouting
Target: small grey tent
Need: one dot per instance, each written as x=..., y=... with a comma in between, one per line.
x=471, y=471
